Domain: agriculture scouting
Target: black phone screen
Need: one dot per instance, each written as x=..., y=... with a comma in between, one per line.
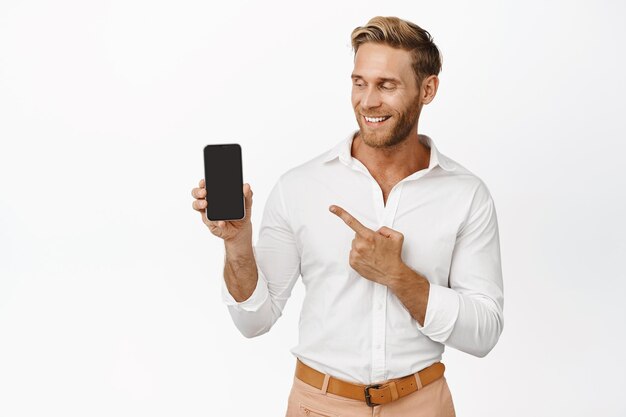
x=223, y=178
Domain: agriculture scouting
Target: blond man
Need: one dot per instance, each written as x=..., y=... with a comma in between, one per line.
x=397, y=246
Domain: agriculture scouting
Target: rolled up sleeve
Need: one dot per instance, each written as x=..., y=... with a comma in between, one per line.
x=278, y=266
x=255, y=301
x=468, y=315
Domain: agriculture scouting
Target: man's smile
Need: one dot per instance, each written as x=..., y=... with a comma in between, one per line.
x=375, y=121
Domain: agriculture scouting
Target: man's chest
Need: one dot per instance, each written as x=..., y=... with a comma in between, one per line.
x=427, y=216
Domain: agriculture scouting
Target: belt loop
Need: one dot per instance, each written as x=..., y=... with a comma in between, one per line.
x=418, y=380
x=394, y=390
x=325, y=384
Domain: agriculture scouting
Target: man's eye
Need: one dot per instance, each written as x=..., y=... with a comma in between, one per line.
x=359, y=84
x=387, y=86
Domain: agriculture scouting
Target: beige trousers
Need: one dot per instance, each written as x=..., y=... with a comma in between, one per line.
x=433, y=400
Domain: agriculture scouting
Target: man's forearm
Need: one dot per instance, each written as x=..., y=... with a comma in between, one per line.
x=240, y=270
x=412, y=289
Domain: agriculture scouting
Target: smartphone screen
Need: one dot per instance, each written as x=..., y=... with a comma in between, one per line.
x=223, y=178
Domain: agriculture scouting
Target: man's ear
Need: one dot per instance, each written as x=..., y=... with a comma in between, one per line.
x=429, y=88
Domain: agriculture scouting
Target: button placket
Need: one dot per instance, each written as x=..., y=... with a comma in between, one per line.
x=386, y=215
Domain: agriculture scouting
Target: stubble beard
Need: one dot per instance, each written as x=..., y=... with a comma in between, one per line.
x=399, y=132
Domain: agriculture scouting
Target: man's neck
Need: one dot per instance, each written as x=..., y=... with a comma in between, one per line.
x=393, y=163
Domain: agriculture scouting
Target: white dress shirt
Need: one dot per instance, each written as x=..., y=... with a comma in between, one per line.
x=350, y=327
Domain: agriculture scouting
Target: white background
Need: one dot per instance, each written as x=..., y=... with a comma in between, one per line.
x=109, y=288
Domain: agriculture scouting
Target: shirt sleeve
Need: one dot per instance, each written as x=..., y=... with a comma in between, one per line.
x=278, y=266
x=468, y=315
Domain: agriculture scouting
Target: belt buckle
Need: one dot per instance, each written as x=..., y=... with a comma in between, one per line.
x=368, y=397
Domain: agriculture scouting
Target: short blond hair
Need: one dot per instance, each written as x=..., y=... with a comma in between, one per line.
x=402, y=34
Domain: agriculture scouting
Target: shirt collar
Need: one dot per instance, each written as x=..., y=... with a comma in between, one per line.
x=343, y=151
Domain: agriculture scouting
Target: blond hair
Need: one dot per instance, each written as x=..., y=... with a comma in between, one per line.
x=402, y=34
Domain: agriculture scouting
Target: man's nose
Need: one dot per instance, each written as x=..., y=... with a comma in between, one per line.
x=371, y=98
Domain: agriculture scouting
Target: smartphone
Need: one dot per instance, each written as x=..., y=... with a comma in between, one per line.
x=223, y=179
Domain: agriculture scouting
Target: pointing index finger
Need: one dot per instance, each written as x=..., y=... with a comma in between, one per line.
x=348, y=219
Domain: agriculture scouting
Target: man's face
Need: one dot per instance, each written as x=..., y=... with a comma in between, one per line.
x=385, y=95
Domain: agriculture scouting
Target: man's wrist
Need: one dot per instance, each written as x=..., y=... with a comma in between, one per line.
x=398, y=276
x=412, y=289
x=239, y=249
x=408, y=280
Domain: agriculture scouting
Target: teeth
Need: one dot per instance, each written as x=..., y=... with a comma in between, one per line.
x=375, y=119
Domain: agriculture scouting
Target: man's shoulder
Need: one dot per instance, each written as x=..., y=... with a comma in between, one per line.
x=465, y=181
x=312, y=168
x=452, y=168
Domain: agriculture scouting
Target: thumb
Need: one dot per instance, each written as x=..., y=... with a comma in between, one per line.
x=247, y=194
x=390, y=233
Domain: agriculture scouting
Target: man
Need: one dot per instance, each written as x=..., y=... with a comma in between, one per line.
x=397, y=246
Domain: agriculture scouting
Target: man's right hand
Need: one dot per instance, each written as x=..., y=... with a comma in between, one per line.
x=230, y=231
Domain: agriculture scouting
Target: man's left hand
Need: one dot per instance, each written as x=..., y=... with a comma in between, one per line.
x=375, y=255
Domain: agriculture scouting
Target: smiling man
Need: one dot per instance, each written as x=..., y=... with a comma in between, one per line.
x=387, y=114
x=397, y=246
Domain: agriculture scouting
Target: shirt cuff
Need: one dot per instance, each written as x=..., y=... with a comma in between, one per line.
x=441, y=313
x=254, y=302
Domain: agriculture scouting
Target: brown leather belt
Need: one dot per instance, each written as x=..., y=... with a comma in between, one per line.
x=372, y=394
